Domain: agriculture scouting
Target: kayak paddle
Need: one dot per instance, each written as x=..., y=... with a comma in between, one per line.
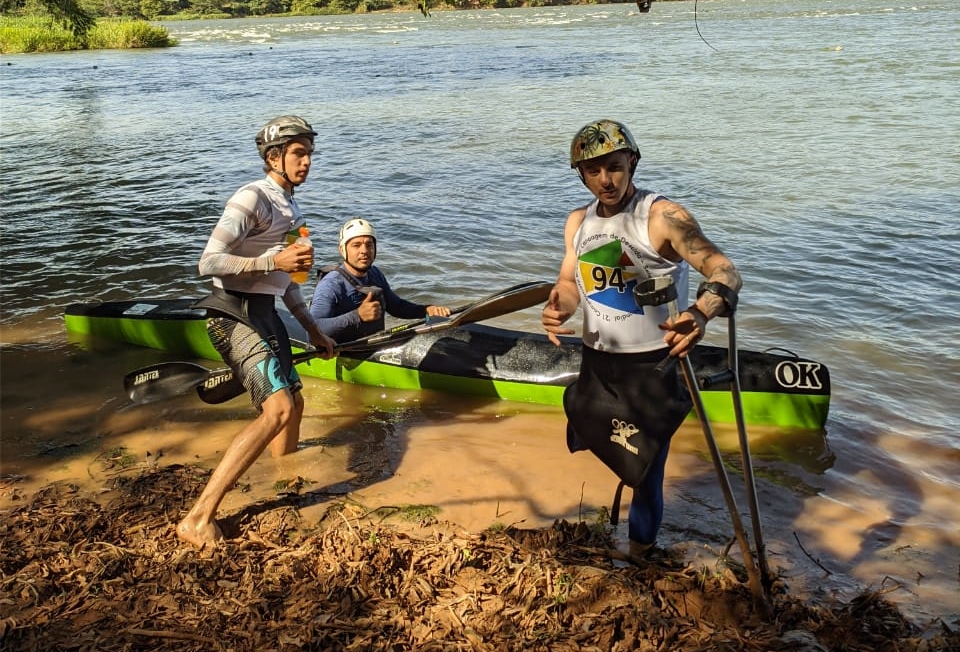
x=222, y=385
x=168, y=379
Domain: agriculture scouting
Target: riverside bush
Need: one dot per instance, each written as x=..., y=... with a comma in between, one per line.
x=44, y=34
x=122, y=34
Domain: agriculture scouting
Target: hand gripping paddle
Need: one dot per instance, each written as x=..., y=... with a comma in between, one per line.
x=168, y=379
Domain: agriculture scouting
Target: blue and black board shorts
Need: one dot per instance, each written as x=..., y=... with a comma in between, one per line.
x=257, y=347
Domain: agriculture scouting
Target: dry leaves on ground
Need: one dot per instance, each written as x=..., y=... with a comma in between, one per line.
x=77, y=573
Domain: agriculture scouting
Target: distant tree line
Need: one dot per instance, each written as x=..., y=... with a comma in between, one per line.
x=80, y=14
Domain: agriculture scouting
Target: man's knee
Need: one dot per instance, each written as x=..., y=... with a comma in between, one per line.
x=280, y=409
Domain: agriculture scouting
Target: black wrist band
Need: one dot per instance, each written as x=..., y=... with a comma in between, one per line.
x=729, y=297
x=692, y=308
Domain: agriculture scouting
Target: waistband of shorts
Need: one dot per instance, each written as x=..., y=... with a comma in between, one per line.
x=642, y=357
x=239, y=305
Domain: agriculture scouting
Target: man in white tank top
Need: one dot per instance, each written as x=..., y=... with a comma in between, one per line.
x=621, y=408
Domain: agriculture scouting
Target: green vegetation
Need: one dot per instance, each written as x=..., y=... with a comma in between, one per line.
x=117, y=458
x=182, y=9
x=45, y=34
x=290, y=486
x=418, y=513
x=56, y=25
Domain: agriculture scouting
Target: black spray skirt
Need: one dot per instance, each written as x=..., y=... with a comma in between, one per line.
x=624, y=410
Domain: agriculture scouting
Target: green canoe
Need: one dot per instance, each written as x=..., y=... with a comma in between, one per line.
x=777, y=388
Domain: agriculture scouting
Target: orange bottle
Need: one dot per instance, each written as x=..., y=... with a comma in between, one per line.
x=304, y=239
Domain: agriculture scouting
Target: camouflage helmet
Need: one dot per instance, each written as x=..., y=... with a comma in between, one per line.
x=598, y=138
x=280, y=131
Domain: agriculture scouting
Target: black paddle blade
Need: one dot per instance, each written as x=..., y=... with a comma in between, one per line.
x=220, y=386
x=162, y=381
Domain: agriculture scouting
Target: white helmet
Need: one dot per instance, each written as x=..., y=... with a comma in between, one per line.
x=354, y=229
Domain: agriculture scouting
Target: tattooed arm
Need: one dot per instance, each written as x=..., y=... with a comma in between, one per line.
x=676, y=234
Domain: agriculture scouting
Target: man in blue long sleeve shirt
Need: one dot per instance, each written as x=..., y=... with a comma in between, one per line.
x=350, y=302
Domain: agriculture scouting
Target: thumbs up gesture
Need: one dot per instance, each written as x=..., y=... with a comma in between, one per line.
x=370, y=308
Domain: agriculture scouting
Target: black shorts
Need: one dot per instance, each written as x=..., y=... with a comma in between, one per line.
x=624, y=410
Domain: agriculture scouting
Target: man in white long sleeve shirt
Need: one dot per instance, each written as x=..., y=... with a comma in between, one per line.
x=250, y=256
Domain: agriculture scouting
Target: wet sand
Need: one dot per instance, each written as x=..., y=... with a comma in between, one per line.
x=481, y=463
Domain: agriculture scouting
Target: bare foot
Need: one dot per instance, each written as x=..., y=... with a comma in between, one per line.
x=199, y=534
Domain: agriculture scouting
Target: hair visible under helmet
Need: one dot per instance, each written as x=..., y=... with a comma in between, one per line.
x=599, y=138
x=355, y=228
x=278, y=133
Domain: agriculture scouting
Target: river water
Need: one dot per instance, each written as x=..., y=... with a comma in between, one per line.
x=817, y=142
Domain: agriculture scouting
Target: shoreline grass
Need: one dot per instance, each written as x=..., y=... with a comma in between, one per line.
x=27, y=34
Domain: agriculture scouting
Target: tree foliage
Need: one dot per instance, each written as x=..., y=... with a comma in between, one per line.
x=76, y=18
x=79, y=15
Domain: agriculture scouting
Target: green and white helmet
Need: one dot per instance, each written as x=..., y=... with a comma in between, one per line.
x=281, y=131
x=599, y=138
x=354, y=229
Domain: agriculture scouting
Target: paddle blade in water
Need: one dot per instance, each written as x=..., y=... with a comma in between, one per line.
x=162, y=381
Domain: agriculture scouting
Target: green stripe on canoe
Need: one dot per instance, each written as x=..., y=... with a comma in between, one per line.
x=186, y=337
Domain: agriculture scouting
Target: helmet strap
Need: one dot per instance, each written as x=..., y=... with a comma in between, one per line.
x=283, y=164
x=282, y=171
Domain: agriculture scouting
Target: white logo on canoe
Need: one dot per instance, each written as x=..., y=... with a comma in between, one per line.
x=622, y=430
x=392, y=357
x=140, y=309
x=798, y=374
